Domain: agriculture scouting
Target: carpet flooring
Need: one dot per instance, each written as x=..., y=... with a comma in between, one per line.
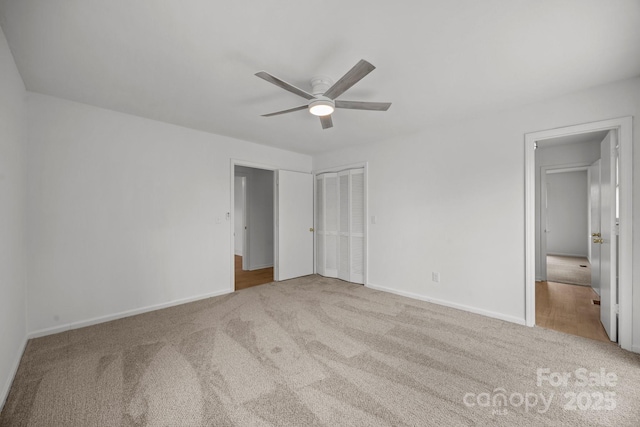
x=568, y=269
x=317, y=351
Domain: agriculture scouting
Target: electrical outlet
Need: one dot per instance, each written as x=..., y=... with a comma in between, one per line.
x=435, y=277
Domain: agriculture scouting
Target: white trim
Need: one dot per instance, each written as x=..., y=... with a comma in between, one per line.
x=571, y=255
x=237, y=162
x=470, y=309
x=530, y=231
x=12, y=373
x=624, y=126
x=120, y=315
x=625, y=239
x=341, y=168
x=564, y=168
x=246, y=255
x=260, y=267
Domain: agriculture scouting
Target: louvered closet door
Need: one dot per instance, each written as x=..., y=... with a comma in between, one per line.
x=356, y=235
x=331, y=225
x=340, y=225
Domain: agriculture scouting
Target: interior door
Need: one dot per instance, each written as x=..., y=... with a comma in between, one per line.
x=594, y=225
x=294, y=245
x=340, y=225
x=607, y=240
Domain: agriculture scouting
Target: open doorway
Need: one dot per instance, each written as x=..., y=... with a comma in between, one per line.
x=566, y=298
x=253, y=226
x=554, y=158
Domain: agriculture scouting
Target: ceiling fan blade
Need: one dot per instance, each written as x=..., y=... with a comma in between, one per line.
x=358, y=105
x=326, y=122
x=353, y=76
x=284, y=85
x=290, y=110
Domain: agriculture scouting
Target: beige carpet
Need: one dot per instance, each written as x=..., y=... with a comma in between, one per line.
x=567, y=269
x=316, y=351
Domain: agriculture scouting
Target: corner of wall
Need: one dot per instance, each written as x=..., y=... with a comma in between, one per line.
x=6, y=388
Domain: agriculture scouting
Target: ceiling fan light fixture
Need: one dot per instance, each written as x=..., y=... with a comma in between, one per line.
x=320, y=102
x=321, y=107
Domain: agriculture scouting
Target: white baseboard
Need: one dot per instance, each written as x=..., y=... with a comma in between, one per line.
x=260, y=267
x=120, y=315
x=635, y=348
x=14, y=370
x=475, y=310
x=238, y=253
x=563, y=254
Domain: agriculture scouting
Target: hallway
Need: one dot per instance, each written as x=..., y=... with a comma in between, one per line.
x=247, y=279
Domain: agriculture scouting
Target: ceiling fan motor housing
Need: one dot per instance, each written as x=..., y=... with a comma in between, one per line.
x=320, y=84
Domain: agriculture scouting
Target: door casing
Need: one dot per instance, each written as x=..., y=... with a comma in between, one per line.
x=574, y=167
x=624, y=128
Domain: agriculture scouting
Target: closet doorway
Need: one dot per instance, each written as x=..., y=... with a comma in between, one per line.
x=341, y=224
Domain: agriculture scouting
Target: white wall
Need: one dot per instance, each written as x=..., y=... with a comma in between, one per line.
x=555, y=157
x=451, y=200
x=567, y=213
x=260, y=219
x=126, y=213
x=13, y=139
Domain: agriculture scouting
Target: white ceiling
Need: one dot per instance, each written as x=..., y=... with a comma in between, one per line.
x=192, y=62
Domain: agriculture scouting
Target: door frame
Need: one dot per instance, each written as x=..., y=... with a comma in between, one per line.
x=246, y=255
x=544, y=170
x=358, y=165
x=589, y=234
x=624, y=128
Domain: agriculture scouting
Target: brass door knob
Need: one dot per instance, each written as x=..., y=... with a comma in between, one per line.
x=311, y=229
x=598, y=240
x=596, y=235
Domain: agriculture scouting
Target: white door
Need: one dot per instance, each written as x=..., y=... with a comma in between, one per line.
x=294, y=246
x=594, y=224
x=340, y=234
x=351, y=225
x=608, y=281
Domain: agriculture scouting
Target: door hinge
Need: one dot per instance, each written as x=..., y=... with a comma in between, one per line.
x=617, y=308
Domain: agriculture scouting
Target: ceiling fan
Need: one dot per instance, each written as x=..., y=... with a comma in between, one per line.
x=322, y=99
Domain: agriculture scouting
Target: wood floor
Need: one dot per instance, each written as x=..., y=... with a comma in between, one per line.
x=247, y=279
x=570, y=309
